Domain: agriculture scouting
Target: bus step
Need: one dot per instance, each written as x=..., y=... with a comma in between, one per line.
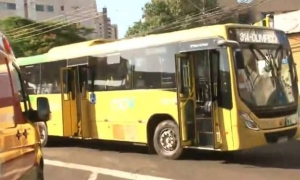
x=206, y=138
x=204, y=125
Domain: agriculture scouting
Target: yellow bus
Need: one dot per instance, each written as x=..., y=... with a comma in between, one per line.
x=222, y=87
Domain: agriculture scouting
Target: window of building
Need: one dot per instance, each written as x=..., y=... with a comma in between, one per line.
x=7, y=6
x=11, y=6
x=50, y=8
x=39, y=7
x=62, y=8
x=2, y=6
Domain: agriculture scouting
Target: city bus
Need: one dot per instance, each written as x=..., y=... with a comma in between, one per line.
x=223, y=87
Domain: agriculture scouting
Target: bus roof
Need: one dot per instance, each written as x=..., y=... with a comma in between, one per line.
x=23, y=61
x=72, y=50
x=101, y=46
x=85, y=44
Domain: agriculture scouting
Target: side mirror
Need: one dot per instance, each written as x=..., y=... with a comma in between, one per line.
x=43, y=109
x=228, y=43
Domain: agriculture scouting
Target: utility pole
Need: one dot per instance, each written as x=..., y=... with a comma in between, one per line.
x=26, y=9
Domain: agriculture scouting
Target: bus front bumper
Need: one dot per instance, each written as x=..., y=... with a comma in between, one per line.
x=250, y=139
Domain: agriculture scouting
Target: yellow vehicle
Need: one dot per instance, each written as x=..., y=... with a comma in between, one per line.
x=20, y=156
x=222, y=87
x=268, y=21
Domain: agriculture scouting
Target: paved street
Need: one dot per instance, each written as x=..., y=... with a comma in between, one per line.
x=79, y=160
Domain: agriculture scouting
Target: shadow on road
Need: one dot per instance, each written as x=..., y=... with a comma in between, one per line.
x=286, y=156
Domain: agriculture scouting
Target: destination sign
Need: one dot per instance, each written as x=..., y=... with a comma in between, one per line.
x=259, y=36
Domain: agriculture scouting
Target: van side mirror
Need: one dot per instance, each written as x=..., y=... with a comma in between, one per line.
x=43, y=109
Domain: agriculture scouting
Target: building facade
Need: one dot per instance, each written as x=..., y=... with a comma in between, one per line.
x=83, y=13
x=114, y=31
x=259, y=8
x=106, y=29
x=290, y=24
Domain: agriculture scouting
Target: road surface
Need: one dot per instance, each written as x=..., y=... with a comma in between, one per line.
x=79, y=160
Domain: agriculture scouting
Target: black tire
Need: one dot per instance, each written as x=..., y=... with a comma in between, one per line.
x=43, y=130
x=40, y=174
x=40, y=171
x=177, y=150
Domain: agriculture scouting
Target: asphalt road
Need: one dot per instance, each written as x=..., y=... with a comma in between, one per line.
x=78, y=160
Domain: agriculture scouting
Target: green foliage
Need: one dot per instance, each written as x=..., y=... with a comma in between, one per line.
x=170, y=15
x=30, y=38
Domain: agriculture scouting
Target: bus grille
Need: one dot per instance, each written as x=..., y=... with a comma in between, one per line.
x=274, y=136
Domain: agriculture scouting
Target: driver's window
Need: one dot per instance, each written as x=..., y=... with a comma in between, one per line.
x=18, y=87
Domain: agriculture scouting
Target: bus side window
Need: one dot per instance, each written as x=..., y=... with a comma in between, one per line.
x=214, y=59
x=224, y=82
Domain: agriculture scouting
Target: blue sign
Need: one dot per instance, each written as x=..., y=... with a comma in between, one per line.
x=284, y=61
x=93, y=98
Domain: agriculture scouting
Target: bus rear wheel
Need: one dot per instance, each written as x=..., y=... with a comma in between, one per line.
x=166, y=140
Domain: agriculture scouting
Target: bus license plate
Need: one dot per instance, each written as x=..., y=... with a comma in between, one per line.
x=282, y=139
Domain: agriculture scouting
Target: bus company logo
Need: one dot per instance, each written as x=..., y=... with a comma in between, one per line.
x=122, y=104
x=199, y=45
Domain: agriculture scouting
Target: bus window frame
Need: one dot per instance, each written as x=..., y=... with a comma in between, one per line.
x=261, y=112
x=208, y=44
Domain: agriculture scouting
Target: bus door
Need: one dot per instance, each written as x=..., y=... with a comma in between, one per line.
x=206, y=73
x=186, y=98
x=75, y=101
x=68, y=96
x=196, y=96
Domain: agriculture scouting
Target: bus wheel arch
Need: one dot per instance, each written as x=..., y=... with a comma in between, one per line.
x=156, y=124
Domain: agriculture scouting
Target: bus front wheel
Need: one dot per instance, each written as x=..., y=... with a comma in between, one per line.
x=166, y=140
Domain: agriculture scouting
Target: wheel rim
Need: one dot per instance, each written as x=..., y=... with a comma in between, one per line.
x=168, y=140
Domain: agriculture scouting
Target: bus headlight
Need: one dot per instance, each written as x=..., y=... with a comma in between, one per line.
x=249, y=122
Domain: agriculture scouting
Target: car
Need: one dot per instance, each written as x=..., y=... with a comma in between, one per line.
x=21, y=154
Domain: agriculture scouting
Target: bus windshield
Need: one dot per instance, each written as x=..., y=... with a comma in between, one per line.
x=265, y=75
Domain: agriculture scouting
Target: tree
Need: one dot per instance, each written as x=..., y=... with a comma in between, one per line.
x=169, y=15
x=29, y=38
